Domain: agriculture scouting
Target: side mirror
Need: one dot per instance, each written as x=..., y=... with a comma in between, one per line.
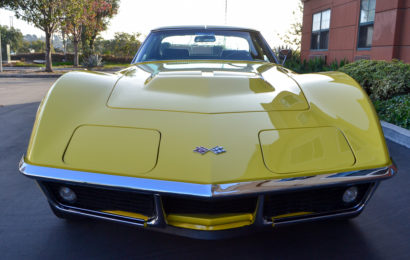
x=284, y=54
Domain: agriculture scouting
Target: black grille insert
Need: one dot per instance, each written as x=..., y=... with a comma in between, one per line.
x=177, y=205
x=103, y=199
x=321, y=200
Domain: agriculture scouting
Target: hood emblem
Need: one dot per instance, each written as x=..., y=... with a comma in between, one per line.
x=216, y=150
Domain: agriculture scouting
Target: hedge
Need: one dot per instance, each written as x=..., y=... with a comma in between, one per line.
x=295, y=63
x=60, y=57
x=381, y=79
x=395, y=110
x=387, y=83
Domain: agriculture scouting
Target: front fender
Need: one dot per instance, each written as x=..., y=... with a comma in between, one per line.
x=337, y=99
x=66, y=106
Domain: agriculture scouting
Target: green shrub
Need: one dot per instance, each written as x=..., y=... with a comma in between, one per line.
x=395, y=110
x=318, y=64
x=387, y=83
x=93, y=61
x=381, y=79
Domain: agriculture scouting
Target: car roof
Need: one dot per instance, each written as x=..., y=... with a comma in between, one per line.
x=202, y=27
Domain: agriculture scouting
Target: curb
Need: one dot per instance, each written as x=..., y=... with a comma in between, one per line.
x=54, y=75
x=396, y=134
x=30, y=76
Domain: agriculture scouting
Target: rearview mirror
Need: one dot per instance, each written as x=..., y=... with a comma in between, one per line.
x=205, y=38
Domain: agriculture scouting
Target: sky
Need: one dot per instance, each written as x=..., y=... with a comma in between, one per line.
x=268, y=16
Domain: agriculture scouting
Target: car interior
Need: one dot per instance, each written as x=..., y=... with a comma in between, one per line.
x=171, y=52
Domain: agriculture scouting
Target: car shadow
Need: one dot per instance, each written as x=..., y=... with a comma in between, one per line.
x=338, y=239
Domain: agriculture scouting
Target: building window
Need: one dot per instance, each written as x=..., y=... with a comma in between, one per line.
x=367, y=12
x=320, y=31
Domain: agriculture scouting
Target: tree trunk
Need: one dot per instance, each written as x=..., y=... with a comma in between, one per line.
x=84, y=43
x=91, y=46
x=91, y=43
x=49, y=64
x=75, y=42
x=64, y=45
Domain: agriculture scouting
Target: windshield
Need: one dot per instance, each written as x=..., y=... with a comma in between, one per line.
x=204, y=44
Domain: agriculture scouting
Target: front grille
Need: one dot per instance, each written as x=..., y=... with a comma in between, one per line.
x=176, y=205
x=323, y=200
x=102, y=199
x=317, y=201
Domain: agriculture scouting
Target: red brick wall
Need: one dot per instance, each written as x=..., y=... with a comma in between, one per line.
x=391, y=36
x=385, y=31
x=403, y=50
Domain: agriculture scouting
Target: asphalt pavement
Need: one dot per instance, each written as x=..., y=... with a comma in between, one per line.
x=29, y=230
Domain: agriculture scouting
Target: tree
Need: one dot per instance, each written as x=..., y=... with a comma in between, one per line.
x=37, y=46
x=294, y=36
x=11, y=36
x=74, y=21
x=123, y=45
x=43, y=14
x=5, y=3
x=98, y=17
x=126, y=45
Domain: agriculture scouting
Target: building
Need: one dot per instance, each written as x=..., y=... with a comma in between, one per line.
x=356, y=29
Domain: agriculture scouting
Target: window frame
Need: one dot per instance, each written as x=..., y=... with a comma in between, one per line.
x=364, y=24
x=320, y=31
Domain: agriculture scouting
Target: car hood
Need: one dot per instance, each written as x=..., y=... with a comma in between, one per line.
x=207, y=87
x=75, y=129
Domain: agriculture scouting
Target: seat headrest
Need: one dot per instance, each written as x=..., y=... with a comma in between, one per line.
x=171, y=53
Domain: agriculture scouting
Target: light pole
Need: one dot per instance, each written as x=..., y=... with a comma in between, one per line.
x=1, y=58
x=226, y=11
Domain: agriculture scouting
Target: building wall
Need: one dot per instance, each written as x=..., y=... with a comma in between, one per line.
x=391, y=36
x=403, y=51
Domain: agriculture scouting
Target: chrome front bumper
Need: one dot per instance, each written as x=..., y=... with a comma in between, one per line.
x=204, y=190
x=159, y=188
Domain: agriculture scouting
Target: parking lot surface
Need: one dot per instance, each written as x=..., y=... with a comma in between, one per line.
x=29, y=230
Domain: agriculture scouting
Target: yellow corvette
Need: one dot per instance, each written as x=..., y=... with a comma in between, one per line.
x=205, y=135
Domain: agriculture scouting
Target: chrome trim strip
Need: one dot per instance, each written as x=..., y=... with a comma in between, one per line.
x=321, y=217
x=100, y=215
x=160, y=223
x=204, y=190
x=158, y=220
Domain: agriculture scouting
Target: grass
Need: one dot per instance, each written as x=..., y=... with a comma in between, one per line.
x=24, y=64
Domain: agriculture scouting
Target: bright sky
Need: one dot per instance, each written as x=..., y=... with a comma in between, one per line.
x=268, y=16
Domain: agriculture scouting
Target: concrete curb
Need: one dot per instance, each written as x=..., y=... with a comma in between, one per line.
x=396, y=134
x=29, y=76
x=53, y=75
